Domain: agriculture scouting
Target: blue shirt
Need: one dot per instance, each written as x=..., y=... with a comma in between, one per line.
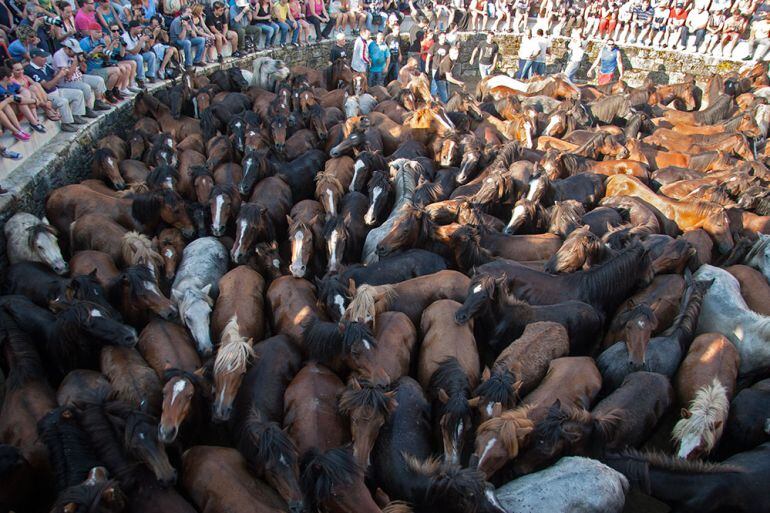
x=17, y=50
x=608, y=60
x=87, y=44
x=378, y=55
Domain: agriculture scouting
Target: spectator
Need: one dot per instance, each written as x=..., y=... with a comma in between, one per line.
x=106, y=15
x=608, y=61
x=592, y=15
x=503, y=17
x=92, y=86
x=262, y=17
x=720, y=5
x=448, y=73
x=379, y=55
x=733, y=28
x=201, y=30
x=659, y=25
x=23, y=101
x=183, y=37
x=576, y=53
x=608, y=24
x=8, y=118
x=714, y=31
x=746, y=8
x=339, y=50
x=86, y=16
x=625, y=14
x=642, y=21
x=437, y=52
x=116, y=51
x=426, y=45
x=453, y=34
x=36, y=90
x=240, y=22
x=20, y=48
x=528, y=51
x=477, y=12
x=134, y=41
x=67, y=27
x=298, y=12
x=520, y=16
x=356, y=16
x=374, y=16
x=359, y=62
x=37, y=26
x=397, y=50
x=696, y=24
x=285, y=22
x=94, y=48
x=70, y=102
x=316, y=14
x=217, y=22
x=759, y=42
x=676, y=20
x=487, y=52
x=7, y=23
x=544, y=47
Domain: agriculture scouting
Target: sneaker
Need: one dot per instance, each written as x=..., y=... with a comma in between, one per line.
x=68, y=127
x=117, y=94
x=140, y=84
x=100, y=105
x=110, y=97
x=199, y=65
x=79, y=120
x=39, y=128
x=237, y=54
x=91, y=114
x=220, y=59
x=134, y=90
x=126, y=93
x=150, y=80
x=9, y=154
x=22, y=136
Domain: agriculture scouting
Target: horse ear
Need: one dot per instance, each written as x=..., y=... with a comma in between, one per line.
x=497, y=409
x=206, y=289
x=486, y=374
x=93, y=273
x=354, y=384
x=442, y=396
x=352, y=286
x=288, y=219
x=70, y=507
x=473, y=402
x=685, y=413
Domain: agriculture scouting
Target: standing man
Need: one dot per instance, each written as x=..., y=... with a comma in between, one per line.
x=487, y=51
x=379, y=55
x=359, y=62
x=436, y=53
x=182, y=37
x=70, y=102
x=92, y=87
x=448, y=73
x=544, y=50
x=396, y=47
x=338, y=51
x=608, y=61
x=134, y=42
x=576, y=53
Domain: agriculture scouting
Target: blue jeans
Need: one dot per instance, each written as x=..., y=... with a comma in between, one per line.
x=392, y=73
x=538, y=68
x=270, y=30
x=370, y=25
x=375, y=78
x=186, y=44
x=526, y=71
x=433, y=86
x=442, y=87
x=284, y=27
x=141, y=59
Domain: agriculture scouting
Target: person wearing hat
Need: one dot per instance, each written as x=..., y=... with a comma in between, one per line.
x=95, y=50
x=134, y=42
x=339, y=50
x=70, y=102
x=93, y=88
x=240, y=17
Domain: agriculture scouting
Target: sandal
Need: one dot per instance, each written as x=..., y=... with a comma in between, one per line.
x=53, y=115
x=21, y=136
x=10, y=154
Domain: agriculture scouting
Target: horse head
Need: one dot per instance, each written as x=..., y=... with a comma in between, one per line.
x=195, y=307
x=43, y=243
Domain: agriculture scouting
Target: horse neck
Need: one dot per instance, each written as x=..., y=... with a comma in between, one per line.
x=405, y=186
x=609, y=283
x=675, y=486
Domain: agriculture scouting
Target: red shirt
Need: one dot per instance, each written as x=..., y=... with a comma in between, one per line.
x=83, y=20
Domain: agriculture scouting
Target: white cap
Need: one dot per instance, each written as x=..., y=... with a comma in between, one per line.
x=72, y=44
x=340, y=36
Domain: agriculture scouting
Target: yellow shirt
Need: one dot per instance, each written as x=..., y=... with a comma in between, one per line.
x=281, y=11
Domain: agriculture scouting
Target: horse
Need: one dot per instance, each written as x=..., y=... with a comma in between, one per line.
x=754, y=287
x=31, y=239
x=345, y=234
x=195, y=287
x=136, y=294
x=230, y=365
x=403, y=467
x=166, y=345
x=293, y=304
x=240, y=301
x=758, y=256
x=306, y=236
x=133, y=381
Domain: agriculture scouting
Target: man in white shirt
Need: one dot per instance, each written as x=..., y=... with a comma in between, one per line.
x=695, y=24
x=134, y=41
x=576, y=54
x=760, y=37
x=544, y=47
x=92, y=86
x=528, y=51
x=359, y=62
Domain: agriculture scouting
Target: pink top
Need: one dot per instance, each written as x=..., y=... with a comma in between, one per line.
x=83, y=20
x=317, y=9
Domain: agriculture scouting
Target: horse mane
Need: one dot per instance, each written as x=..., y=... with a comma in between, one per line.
x=321, y=472
x=68, y=332
x=255, y=214
x=264, y=443
x=427, y=193
x=573, y=163
x=642, y=309
x=397, y=507
x=21, y=358
x=136, y=249
x=210, y=124
x=328, y=179
x=365, y=299
x=39, y=228
x=501, y=387
x=565, y=217
x=597, y=282
x=449, y=376
x=709, y=406
x=607, y=108
x=89, y=496
x=103, y=153
x=107, y=441
x=551, y=428
x=469, y=252
x=234, y=352
x=160, y=173
x=198, y=172
x=367, y=395
x=228, y=189
x=373, y=159
x=683, y=327
x=715, y=112
x=588, y=149
x=511, y=428
x=135, y=276
x=145, y=208
x=757, y=249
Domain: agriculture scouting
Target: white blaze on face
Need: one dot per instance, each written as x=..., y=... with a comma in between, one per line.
x=330, y=203
x=218, y=204
x=518, y=211
x=490, y=444
x=477, y=289
x=222, y=395
x=369, y=217
x=296, y=257
x=367, y=344
x=528, y=130
x=357, y=167
x=179, y=387
x=96, y=313
x=339, y=302
x=168, y=253
x=534, y=185
x=490, y=410
x=276, y=263
x=333, y=248
x=243, y=226
x=551, y=123
x=688, y=444
x=151, y=286
x=110, y=162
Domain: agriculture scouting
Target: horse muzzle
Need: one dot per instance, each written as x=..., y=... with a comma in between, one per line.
x=167, y=436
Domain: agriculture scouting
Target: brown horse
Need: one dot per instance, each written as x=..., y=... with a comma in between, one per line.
x=368, y=407
x=86, y=262
x=165, y=345
x=687, y=215
x=263, y=218
x=136, y=293
x=132, y=380
x=293, y=304
x=240, y=302
x=170, y=245
x=230, y=365
x=754, y=288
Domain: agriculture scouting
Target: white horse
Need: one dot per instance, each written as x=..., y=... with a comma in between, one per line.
x=204, y=262
x=758, y=256
x=267, y=72
x=725, y=311
x=573, y=484
x=405, y=184
x=29, y=239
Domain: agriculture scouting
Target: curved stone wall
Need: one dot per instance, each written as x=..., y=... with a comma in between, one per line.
x=67, y=158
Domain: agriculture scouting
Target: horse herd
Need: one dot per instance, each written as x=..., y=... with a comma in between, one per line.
x=314, y=295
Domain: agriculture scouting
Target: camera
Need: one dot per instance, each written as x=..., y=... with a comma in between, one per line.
x=186, y=18
x=51, y=20
x=17, y=98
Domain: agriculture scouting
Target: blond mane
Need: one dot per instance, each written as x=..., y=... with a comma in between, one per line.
x=708, y=412
x=511, y=428
x=136, y=249
x=364, y=303
x=234, y=350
